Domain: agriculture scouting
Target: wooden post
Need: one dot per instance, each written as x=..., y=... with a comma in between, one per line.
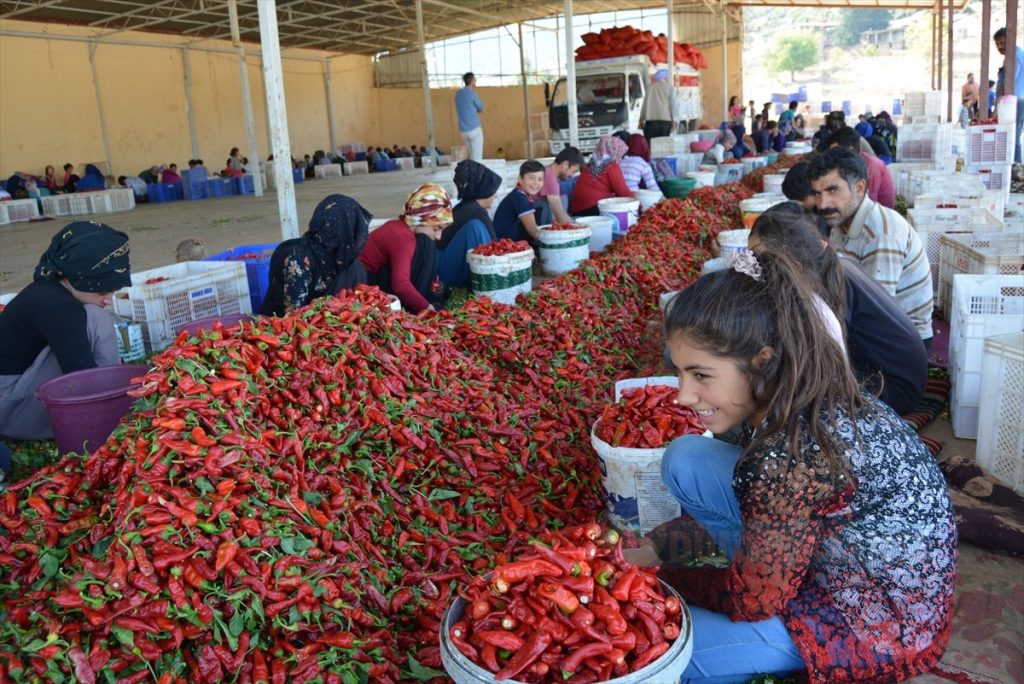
x=949, y=59
x=986, y=42
x=1010, y=61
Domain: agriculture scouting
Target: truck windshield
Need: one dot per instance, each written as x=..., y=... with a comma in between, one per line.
x=606, y=89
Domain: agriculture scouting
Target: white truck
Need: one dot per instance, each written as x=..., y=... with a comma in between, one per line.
x=609, y=95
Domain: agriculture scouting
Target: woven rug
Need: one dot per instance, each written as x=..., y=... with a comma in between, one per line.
x=936, y=395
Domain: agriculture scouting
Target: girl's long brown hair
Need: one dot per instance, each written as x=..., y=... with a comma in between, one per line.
x=734, y=315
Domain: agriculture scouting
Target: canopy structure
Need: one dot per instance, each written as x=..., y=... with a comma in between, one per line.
x=351, y=26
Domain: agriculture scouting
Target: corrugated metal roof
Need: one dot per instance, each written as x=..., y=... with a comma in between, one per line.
x=347, y=26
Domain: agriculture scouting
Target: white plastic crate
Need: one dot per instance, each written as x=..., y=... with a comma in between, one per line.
x=688, y=161
x=977, y=254
x=1000, y=449
x=663, y=147
x=57, y=205
x=327, y=171
x=102, y=201
x=458, y=153
x=918, y=142
x=12, y=211
x=444, y=160
x=993, y=201
x=989, y=144
x=933, y=223
x=356, y=168
x=993, y=176
x=427, y=162
x=1015, y=204
x=406, y=163
x=927, y=103
x=983, y=306
x=193, y=290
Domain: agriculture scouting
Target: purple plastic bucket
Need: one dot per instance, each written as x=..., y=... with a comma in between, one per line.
x=85, y=406
x=197, y=328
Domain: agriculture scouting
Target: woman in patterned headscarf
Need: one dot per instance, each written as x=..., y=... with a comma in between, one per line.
x=471, y=224
x=601, y=178
x=58, y=323
x=324, y=261
x=401, y=255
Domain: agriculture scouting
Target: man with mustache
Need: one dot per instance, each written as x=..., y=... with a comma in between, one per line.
x=878, y=238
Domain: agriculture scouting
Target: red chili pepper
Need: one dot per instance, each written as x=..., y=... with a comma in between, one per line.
x=563, y=599
x=535, y=644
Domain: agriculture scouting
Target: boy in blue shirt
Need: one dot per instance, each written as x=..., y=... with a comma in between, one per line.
x=514, y=218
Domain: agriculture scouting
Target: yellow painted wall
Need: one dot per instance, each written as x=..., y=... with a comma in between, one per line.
x=401, y=119
x=711, y=80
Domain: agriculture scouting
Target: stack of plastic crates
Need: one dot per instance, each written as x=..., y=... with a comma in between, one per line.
x=257, y=268
x=983, y=306
x=920, y=105
x=925, y=142
x=976, y=254
x=12, y=211
x=951, y=218
x=327, y=171
x=164, y=299
x=1001, y=411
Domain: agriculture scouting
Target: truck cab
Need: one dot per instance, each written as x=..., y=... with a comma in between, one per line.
x=609, y=96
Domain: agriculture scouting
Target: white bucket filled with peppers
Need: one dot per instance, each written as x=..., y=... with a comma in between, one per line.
x=501, y=270
x=563, y=246
x=535, y=616
x=630, y=439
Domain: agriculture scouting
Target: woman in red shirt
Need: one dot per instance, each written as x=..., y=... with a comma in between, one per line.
x=401, y=256
x=601, y=178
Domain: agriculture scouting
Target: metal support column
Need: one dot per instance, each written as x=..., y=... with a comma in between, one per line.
x=330, y=106
x=526, y=96
x=250, y=125
x=99, y=104
x=670, y=44
x=949, y=60
x=725, y=62
x=940, y=20
x=428, y=108
x=277, y=112
x=570, y=79
x=986, y=41
x=933, y=52
x=186, y=63
x=1010, y=62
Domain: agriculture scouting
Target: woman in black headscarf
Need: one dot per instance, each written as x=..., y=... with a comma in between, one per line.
x=471, y=226
x=324, y=261
x=58, y=323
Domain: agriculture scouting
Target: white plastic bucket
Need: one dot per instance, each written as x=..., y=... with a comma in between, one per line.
x=563, y=250
x=668, y=668
x=622, y=209
x=751, y=208
x=601, y=228
x=648, y=198
x=773, y=182
x=728, y=173
x=394, y=303
x=502, y=277
x=751, y=164
x=705, y=179
x=733, y=241
x=716, y=264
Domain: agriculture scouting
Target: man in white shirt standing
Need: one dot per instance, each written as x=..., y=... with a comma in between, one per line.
x=467, y=105
x=887, y=248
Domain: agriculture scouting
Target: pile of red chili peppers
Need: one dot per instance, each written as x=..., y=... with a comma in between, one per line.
x=569, y=607
x=502, y=247
x=647, y=418
x=297, y=499
x=569, y=225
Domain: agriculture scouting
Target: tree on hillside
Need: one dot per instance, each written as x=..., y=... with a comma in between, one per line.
x=852, y=23
x=793, y=52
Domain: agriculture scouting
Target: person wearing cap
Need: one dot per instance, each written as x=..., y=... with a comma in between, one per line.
x=401, y=256
x=59, y=324
x=471, y=224
x=323, y=261
x=657, y=114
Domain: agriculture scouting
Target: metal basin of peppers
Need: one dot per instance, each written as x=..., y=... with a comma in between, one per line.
x=302, y=498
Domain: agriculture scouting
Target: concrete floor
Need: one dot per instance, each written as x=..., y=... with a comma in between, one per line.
x=156, y=229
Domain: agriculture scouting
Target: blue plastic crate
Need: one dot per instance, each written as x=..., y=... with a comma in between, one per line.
x=164, y=192
x=826, y=106
x=671, y=161
x=220, y=187
x=244, y=185
x=360, y=156
x=298, y=175
x=193, y=183
x=257, y=268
